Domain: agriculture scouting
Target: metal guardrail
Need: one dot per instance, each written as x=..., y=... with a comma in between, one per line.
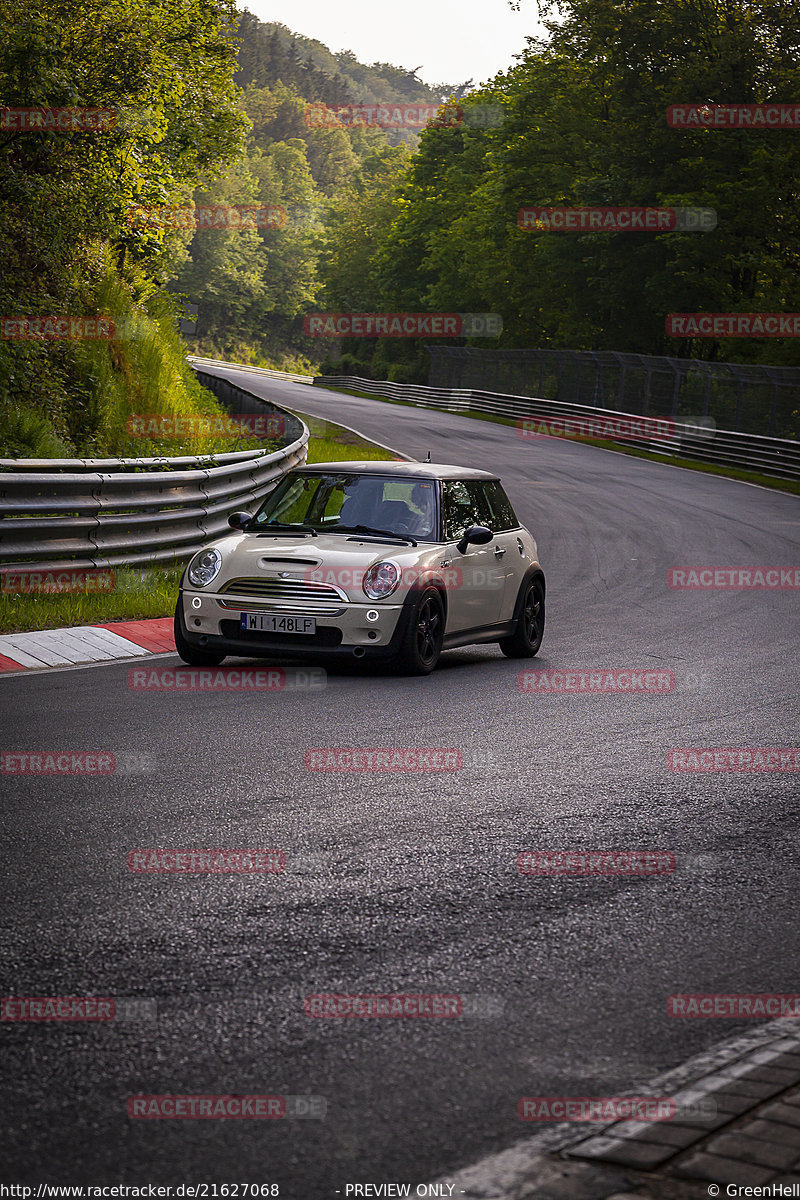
x=59, y=514
x=199, y=363
x=740, y=397
x=751, y=452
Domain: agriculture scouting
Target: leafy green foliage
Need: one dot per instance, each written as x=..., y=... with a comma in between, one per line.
x=251, y=287
x=211, y=109
x=164, y=74
x=584, y=124
x=269, y=53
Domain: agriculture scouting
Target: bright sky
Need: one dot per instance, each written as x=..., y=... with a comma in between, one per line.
x=449, y=40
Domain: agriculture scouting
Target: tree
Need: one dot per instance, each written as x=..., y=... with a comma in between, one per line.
x=164, y=74
x=584, y=124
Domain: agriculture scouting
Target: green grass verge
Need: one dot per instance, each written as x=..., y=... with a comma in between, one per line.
x=330, y=442
x=143, y=592
x=140, y=592
x=692, y=464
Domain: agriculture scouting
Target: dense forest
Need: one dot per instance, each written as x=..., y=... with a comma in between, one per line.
x=584, y=124
x=251, y=288
x=213, y=114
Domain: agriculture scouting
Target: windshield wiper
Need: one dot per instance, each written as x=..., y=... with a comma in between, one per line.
x=402, y=537
x=268, y=526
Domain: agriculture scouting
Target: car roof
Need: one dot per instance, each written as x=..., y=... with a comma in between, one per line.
x=408, y=470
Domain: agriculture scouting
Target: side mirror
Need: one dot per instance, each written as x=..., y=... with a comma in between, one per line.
x=239, y=520
x=477, y=535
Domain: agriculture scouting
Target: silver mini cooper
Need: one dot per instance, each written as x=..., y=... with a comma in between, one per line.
x=388, y=560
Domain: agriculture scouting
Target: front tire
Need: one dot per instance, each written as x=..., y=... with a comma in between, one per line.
x=192, y=655
x=526, y=639
x=422, y=643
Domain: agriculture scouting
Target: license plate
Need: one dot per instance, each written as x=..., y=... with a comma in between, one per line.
x=277, y=623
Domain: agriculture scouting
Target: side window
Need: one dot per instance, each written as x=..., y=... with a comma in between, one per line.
x=483, y=514
x=503, y=516
x=464, y=504
x=458, y=509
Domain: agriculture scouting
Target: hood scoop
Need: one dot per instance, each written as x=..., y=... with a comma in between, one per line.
x=268, y=561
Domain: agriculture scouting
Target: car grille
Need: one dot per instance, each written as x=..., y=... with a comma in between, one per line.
x=286, y=594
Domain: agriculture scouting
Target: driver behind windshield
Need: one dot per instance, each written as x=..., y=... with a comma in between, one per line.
x=413, y=516
x=328, y=502
x=421, y=512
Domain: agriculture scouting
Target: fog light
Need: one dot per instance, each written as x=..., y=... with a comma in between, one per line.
x=373, y=615
x=196, y=602
x=197, y=621
x=372, y=634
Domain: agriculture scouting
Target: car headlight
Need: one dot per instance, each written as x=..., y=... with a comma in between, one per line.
x=381, y=580
x=204, y=567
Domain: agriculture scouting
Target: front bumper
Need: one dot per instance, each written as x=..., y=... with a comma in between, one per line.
x=210, y=625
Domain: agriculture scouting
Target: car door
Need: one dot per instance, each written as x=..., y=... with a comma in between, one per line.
x=475, y=594
x=510, y=553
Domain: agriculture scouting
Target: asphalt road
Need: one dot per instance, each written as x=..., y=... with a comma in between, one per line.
x=408, y=882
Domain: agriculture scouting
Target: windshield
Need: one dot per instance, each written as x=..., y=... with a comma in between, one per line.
x=352, y=503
